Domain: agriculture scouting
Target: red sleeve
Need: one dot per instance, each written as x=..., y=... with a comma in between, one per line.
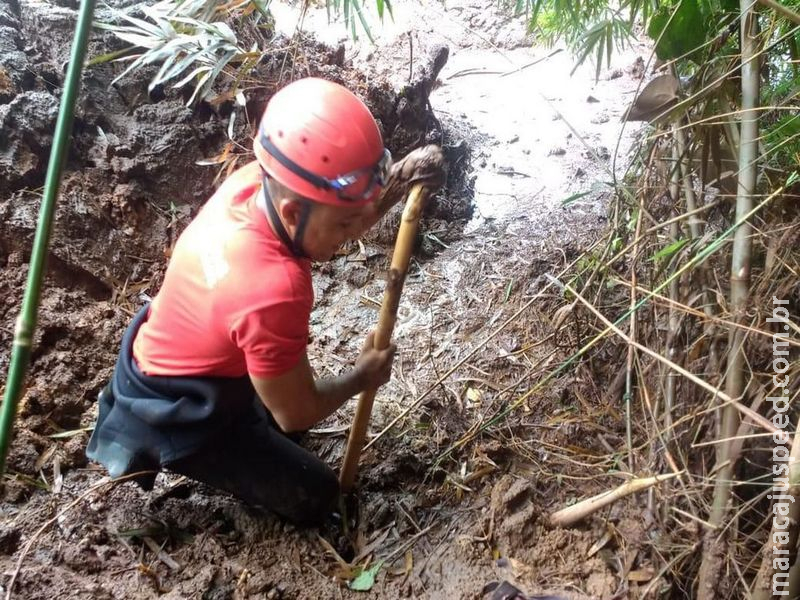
x=273, y=338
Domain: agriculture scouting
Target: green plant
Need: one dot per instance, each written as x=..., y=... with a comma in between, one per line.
x=593, y=28
x=193, y=43
x=353, y=11
x=181, y=36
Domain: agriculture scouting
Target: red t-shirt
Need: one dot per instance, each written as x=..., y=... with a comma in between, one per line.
x=234, y=299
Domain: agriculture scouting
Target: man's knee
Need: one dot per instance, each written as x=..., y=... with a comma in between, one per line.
x=316, y=499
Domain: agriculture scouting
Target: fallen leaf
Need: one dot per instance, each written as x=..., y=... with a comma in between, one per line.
x=601, y=543
x=641, y=575
x=474, y=395
x=658, y=96
x=366, y=579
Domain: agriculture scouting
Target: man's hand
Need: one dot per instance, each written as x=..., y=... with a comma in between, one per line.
x=374, y=367
x=424, y=165
x=298, y=402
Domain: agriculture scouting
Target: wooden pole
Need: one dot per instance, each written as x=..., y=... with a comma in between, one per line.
x=577, y=512
x=383, y=335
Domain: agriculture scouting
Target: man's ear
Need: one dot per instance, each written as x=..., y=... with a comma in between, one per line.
x=290, y=211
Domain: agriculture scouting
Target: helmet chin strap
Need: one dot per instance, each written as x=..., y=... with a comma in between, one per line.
x=294, y=244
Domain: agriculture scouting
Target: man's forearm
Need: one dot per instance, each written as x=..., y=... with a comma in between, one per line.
x=332, y=392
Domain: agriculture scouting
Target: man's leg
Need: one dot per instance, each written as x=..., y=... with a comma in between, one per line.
x=260, y=465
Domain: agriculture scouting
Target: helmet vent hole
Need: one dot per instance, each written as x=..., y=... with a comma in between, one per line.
x=304, y=139
x=280, y=133
x=325, y=159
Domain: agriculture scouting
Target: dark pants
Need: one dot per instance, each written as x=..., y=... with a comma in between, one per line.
x=265, y=468
x=209, y=429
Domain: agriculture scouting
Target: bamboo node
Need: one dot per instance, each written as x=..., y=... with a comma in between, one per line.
x=22, y=333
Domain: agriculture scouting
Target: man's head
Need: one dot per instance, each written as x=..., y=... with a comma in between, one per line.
x=322, y=151
x=317, y=229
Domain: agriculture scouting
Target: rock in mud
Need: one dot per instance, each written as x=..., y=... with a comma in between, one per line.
x=13, y=62
x=27, y=123
x=48, y=31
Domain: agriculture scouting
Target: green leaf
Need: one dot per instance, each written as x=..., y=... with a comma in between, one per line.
x=262, y=7
x=366, y=579
x=574, y=198
x=669, y=251
x=678, y=27
x=104, y=58
x=364, y=23
x=509, y=287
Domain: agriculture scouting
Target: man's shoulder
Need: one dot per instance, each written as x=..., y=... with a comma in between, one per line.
x=242, y=179
x=263, y=272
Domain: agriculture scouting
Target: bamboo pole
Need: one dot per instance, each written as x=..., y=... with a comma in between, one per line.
x=673, y=348
x=715, y=544
x=386, y=320
x=26, y=322
x=577, y=512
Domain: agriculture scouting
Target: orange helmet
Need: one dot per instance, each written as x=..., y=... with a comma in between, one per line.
x=320, y=141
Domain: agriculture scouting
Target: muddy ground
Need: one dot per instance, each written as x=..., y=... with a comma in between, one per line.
x=446, y=519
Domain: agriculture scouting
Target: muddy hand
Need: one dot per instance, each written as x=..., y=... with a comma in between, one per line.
x=423, y=165
x=374, y=366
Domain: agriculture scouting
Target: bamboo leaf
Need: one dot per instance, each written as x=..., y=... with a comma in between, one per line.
x=139, y=40
x=364, y=23
x=681, y=33
x=111, y=56
x=69, y=434
x=144, y=26
x=191, y=76
x=138, y=62
x=574, y=197
x=669, y=251
x=200, y=86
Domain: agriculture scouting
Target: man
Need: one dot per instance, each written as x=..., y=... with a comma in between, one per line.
x=230, y=322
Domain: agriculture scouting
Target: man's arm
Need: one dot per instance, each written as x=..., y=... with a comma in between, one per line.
x=298, y=402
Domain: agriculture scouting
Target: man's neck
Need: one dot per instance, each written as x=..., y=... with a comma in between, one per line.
x=261, y=203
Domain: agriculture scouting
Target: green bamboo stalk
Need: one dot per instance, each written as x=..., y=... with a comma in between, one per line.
x=674, y=318
x=715, y=545
x=26, y=322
